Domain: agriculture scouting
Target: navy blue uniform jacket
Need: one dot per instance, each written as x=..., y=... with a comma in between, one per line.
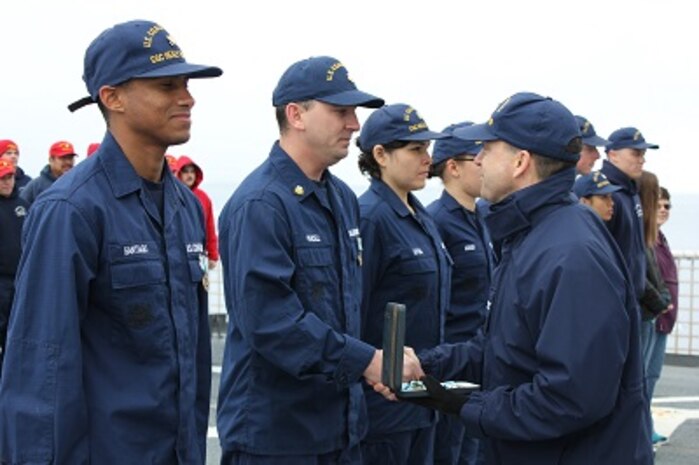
x=405, y=261
x=626, y=225
x=468, y=242
x=559, y=357
x=109, y=354
x=291, y=254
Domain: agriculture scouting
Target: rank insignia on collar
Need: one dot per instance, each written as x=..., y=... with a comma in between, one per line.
x=298, y=190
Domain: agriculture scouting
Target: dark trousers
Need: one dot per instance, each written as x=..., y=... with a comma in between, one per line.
x=452, y=446
x=406, y=448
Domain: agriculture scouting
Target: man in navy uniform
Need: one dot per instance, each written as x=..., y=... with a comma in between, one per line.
x=108, y=357
x=626, y=155
x=291, y=253
x=589, y=153
x=559, y=358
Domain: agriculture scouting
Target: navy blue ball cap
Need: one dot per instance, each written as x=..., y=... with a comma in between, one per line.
x=628, y=138
x=589, y=136
x=321, y=78
x=450, y=147
x=594, y=183
x=131, y=50
x=530, y=122
x=397, y=122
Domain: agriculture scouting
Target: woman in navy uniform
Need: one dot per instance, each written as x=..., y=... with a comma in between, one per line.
x=466, y=237
x=404, y=261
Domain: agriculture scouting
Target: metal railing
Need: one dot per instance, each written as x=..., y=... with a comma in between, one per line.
x=684, y=339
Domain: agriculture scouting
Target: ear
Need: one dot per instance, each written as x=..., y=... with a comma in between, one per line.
x=522, y=162
x=294, y=115
x=380, y=155
x=453, y=168
x=111, y=98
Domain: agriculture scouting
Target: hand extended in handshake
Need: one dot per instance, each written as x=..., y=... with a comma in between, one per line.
x=439, y=398
x=411, y=371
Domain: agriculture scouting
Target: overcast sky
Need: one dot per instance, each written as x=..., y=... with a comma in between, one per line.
x=619, y=63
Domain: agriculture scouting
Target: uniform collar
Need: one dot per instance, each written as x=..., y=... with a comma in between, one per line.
x=122, y=177
x=618, y=177
x=382, y=190
x=296, y=181
x=520, y=210
x=451, y=204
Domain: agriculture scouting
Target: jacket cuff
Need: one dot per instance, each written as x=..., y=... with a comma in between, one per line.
x=355, y=358
x=471, y=414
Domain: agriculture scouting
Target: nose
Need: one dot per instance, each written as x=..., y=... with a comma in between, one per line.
x=352, y=121
x=186, y=99
x=479, y=158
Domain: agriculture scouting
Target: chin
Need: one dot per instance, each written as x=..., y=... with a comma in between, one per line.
x=179, y=139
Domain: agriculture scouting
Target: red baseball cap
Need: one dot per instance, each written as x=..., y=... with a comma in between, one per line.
x=7, y=144
x=6, y=167
x=62, y=149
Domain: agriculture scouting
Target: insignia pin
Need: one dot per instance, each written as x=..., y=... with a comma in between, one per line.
x=298, y=190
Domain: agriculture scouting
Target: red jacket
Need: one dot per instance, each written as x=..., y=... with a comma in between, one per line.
x=209, y=222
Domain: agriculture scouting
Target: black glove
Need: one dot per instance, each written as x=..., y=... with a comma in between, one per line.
x=439, y=398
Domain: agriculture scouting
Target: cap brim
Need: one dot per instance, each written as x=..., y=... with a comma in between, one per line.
x=353, y=98
x=175, y=69
x=649, y=146
x=425, y=135
x=475, y=133
x=606, y=190
x=182, y=69
x=595, y=141
x=639, y=146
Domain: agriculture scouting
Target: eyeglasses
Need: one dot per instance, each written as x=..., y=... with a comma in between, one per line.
x=666, y=206
x=466, y=158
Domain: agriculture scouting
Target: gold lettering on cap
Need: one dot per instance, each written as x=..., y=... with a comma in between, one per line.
x=165, y=56
x=586, y=127
x=417, y=126
x=408, y=112
x=150, y=33
x=637, y=135
x=330, y=73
